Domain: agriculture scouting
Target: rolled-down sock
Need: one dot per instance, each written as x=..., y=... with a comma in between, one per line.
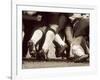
x=59, y=40
x=77, y=50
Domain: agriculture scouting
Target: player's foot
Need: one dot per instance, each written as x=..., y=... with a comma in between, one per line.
x=62, y=49
x=31, y=47
x=81, y=58
x=43, y=55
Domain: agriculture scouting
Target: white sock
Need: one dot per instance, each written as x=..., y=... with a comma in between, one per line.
x=23, y=34
x=59, y=40
x=48, y=40
x=37, y=36
x=77, y=50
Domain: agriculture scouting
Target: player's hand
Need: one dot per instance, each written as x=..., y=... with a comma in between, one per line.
x=39, y=17
x=74, y=16
x=30, y=12
x=86, y=16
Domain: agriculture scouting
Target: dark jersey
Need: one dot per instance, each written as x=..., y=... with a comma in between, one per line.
x=81, y=27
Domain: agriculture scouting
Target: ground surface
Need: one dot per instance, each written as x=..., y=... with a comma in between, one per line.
x=49, y=64
x=54, y=62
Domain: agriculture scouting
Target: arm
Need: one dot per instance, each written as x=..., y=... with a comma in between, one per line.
x=32, y=15
x=27, y=17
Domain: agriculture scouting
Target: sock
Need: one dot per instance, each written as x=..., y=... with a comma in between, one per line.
x=37, y=36
x=59, y=40
x=50, y=35
x=77, y=50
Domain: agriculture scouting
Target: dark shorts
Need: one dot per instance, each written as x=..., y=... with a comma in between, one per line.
x=52, y=18
x=64, y=22
x=60, y=19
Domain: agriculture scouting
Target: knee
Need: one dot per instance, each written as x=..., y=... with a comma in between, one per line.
x=54, y=27
x=43, y=29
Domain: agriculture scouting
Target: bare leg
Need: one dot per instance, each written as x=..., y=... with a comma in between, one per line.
x=69, y=34
x=69, y=39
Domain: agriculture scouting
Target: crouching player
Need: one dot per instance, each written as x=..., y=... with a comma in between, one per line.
x=52, y=23
x=31, y=21
x=79, y=47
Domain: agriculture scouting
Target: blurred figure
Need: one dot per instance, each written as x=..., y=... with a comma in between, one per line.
x=55, y=23
x=31, y=21
x=50, y=34
x=80, y=36
x=43, y=36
